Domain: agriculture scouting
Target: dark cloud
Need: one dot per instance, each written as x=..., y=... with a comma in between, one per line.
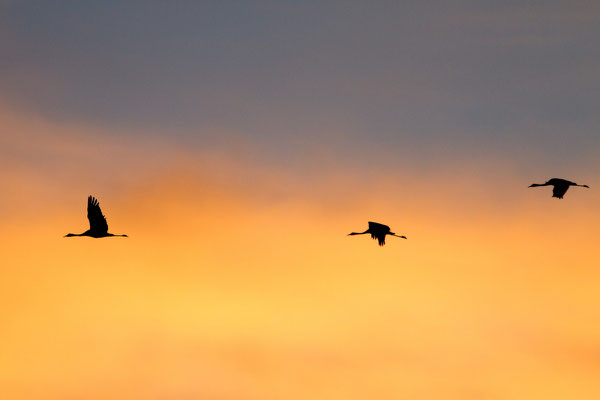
x=513, y=78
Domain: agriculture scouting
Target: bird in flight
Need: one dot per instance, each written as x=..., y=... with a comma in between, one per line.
x=560, y=186
x=98, y=225
x=377, y=231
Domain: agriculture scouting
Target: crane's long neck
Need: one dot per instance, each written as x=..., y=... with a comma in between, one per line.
x=75, y=234
x=358, y=233
x=539, y=184
x=110, y=234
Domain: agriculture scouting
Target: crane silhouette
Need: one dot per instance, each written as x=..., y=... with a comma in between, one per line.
x=377, y=231
x=560, y=186
x=98, y=225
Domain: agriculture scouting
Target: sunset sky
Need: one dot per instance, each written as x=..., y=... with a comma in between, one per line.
x=237, y=143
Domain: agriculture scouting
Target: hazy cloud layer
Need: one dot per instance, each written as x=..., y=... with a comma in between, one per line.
x=516, y=80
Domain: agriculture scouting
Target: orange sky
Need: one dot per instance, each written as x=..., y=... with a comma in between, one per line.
x=238, y=282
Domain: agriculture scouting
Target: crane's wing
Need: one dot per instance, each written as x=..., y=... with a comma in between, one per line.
x=559, y=190
x=94, y=214
x=377, y=227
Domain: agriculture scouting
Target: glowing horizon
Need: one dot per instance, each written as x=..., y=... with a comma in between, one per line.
x=221, y=281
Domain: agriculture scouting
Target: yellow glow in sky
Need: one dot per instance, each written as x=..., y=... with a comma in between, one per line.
x=232, y=288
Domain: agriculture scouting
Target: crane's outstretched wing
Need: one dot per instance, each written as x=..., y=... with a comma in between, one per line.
x=378, y=231
x=376, y=226
x=94, y=214
x=559, y=190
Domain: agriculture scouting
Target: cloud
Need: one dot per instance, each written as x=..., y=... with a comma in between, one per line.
x=485, y=79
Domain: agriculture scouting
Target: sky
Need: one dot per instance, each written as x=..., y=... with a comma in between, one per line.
x=237, y=143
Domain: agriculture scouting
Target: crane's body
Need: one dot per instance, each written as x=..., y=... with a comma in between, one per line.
x=98, y=225
x=560, y=186
x=377, y=231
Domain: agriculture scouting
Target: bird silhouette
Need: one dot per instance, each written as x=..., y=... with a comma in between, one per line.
x=98, y=225
x=560, y=186
x=377, y=231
